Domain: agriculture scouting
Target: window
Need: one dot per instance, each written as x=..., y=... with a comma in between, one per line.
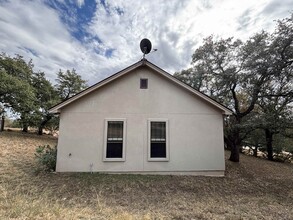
x=114, y=140
x=143, y=83
x=158, y=140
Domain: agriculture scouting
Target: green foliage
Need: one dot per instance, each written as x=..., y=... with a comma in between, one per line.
x=46, y=157
x=274, y=106
x=30, y=95
x=16, y=91
x=254, y=78
x=15, y=124
x=52, y=125
x=69, y=83
x=46, y=97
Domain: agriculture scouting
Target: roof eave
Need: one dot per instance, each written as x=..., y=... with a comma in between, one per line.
x=57, y=108
x=223, y=108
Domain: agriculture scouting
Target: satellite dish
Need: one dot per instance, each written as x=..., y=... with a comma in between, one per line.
x=145, y=46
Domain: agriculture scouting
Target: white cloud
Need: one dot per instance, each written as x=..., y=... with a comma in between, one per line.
x=30, y=26
x=34, y=30
x=176, y=27
x=80, y=3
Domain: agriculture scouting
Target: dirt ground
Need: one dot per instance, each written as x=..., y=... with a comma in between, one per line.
x=253, y=189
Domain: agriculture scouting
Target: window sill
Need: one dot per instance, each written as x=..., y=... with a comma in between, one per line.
x=158, y=159
x=114, y=159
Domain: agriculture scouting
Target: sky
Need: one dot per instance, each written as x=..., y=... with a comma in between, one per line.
x=99, y=38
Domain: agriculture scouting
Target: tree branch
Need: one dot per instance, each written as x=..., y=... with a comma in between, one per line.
x=236, y=101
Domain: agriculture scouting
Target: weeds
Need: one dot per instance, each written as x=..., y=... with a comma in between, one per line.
x=253, y=189
x=47, y=157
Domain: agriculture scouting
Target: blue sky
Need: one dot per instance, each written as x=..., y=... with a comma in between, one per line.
x=99, y=38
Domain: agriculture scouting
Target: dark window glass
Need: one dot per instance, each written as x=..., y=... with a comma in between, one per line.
x=114, y=139
x=143, y=83
x=158, y=140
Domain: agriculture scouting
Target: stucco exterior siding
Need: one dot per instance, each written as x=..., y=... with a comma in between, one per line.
x=195, y=128
x=124, y=96
x=190, y=148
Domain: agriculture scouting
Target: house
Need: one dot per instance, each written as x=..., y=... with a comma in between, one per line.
x=141, y=120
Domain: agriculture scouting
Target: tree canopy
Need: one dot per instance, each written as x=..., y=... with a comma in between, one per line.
x=29, y=95
x=69, y=83
x=253, y=78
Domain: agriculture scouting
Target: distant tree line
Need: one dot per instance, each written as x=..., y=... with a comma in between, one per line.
x=254, y=78
x=28, y=94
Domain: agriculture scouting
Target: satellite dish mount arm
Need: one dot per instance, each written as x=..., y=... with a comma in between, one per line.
x=144, y=52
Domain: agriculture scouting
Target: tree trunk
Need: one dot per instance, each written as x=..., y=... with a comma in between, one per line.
x=40, y=130
x=255, y=151
x=228, y=143
x=235, y=144
x=43, y=123
x=269, y=143
x=240, y=149
x=2, y=123
x=234, y=156
x=25, y=128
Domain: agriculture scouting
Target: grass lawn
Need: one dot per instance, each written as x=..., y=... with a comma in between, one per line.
x=252, y=189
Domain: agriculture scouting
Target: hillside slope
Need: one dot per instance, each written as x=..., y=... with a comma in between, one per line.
x=253, y=189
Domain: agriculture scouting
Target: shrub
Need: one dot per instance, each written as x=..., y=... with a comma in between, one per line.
x=46, y=157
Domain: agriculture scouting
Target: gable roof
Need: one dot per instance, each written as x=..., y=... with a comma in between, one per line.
x=143, y=62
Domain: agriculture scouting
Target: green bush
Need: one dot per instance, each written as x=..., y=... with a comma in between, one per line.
x=46, y=157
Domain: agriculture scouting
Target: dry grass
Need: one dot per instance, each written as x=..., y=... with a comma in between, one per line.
x=253, y=189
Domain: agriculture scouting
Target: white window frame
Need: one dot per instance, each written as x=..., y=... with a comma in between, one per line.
x=162, y=159
x=105, y=159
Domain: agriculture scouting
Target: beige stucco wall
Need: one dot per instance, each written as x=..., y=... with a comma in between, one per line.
x=195, y=127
